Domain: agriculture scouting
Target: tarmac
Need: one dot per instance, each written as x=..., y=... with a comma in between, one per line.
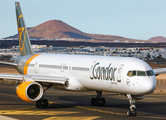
x=67, y=105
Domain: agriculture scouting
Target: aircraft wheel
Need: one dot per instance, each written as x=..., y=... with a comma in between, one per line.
x=102, y=102
x=131, y=113
x=134, y=113
x=92, y=101
x=128, y=113
x=38, y=104
x=97, y=102
x=45, y=103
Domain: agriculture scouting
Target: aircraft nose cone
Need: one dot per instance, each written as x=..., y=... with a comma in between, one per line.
x=147, y=85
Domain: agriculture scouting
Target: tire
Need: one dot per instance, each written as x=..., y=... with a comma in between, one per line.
x=96, y=102
x=92, y=101
x=134, y=113
x=45, y=103
x=102, y=102
x=38, y=104
x=128, y=113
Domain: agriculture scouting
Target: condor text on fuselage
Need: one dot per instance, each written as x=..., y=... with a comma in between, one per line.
x=103, y=73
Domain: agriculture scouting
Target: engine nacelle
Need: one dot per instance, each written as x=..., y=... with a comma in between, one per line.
x=29, y=91
x=139, y=97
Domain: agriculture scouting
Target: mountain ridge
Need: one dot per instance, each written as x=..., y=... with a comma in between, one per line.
x=157, y=39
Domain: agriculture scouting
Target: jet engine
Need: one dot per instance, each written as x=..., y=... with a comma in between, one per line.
x=29, y=91
x=139, y=97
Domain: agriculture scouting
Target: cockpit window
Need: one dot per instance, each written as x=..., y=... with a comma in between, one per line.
x=129, y=73
x=149, y=73
x=133, y=73
x=141, y=73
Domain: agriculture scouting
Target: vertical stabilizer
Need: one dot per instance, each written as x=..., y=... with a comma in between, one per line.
x=24, y=42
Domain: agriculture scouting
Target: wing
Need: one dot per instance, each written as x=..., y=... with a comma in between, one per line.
x=159, y=71
x=18, y=78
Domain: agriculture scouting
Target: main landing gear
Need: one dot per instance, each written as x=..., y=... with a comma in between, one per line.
x=132, y=111
x=98, y=101
x=43, y=102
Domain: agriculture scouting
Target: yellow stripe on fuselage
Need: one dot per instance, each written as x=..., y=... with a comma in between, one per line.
x=27, y=63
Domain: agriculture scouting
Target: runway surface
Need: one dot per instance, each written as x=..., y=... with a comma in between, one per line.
x=66, y=105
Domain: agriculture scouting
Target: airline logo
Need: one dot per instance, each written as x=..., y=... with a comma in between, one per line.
x=22, y=33
x=102, y=73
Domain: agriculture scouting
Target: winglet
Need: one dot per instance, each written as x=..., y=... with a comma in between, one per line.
x=24, y=42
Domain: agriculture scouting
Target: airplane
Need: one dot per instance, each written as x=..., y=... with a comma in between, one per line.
x=82, y=73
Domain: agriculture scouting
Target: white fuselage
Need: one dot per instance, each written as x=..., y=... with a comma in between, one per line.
x=99, y=73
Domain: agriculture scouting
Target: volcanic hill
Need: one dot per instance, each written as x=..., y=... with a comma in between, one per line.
x=56, y=29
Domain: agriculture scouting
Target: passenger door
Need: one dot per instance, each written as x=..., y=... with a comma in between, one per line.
x=120, y=72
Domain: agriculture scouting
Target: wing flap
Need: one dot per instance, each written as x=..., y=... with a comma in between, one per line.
x=51, y=79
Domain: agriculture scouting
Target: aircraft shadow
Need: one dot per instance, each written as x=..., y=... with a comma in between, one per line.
x=155, y=108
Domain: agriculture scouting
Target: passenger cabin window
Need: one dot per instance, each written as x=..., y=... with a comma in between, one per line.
x=140, y=73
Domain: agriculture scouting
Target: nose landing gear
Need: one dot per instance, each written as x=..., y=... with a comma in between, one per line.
x=132, y=111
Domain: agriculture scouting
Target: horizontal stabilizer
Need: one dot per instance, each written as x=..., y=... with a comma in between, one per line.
x=8, y=63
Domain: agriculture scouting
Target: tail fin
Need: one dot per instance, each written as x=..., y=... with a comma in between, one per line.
x=24, y=42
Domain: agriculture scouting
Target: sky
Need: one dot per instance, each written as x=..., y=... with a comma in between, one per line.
x=136, y=19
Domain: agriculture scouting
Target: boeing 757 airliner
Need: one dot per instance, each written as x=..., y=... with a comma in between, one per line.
x=126, y=75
